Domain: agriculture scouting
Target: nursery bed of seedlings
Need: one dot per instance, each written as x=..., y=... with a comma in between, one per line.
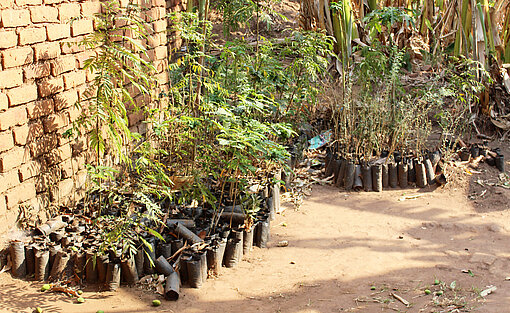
x=193, y=243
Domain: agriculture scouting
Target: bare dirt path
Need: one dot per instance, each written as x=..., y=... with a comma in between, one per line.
x=341, y=246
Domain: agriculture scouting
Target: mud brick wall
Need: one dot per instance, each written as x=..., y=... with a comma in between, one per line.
x=41, y=78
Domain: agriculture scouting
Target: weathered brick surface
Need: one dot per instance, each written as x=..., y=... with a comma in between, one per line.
x=74, y=79
x=6, y=141
x=48, y=50
x=55, y=121
x=6, y=4
x=13, y=116
x=43, y=14
x=81, y=27
x=50, y=86
x=29, y=170
x=40, y=108
x=22, y=3
x=12, y=158
x=11, y=78
x=23, y=192
x=17, y=56
x=59, y=155
x=32, y=35
x=8, y=39
x=41, y=78
x=58, y=31
x=67, y=11
x=65, y=99
x=63, y=64
x=90, y=8
x=20, y=134
x=3, y=205
x=43, y=145
x=22, y=94
x=15, y=18
x=4, y=102
x=37, y=70
x=9, y=180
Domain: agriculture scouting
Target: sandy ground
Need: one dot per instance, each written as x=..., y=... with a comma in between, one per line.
x=341, y=246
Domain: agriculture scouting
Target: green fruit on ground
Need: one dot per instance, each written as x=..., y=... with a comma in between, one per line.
x=372, y=288
x=79, y=292
x=436, y=282
x=45, y=287
x=439, y=293
x=427, y=292
x=100, y=311
x=156, y=303
x=39, y=310
x=80, y=300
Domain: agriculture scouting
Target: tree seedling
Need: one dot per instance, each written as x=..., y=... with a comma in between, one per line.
x=45, y=287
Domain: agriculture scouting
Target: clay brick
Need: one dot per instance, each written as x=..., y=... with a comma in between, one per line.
x=23, y=192
x=159, y=3
x=90, y=76
x=11, y=159
x=6, y=4
x=89, y=8
x=22, y=3
x=67, y=11
x=58, y=31
x=32, y=35
x=4, y=102
x=66, y=99
x=6, y=141
x=74, y=113
x=17, y=56
x=81, y=178
x=21, y=134
x=3, y=205
x=50, y=86
x=9, y=180
x=59, y=155
x=155, y=40
x=67, y=169
x=62, y=65
x=81, y=27
x=74, y=79
x=40, y=108
x=78, y=162
x=155, y=13
x=82, y=57
x=29, y=170
x=162, y=78
x=8, y=39
x=160, y=26
x=158, y=53
x=63, y=189
x=43, y=145
x=43, y=14
x=55, y=121
x=35, y=130
x=70, y=45
x=11, y=78
x=135, y=118
x=13, y=116
x=47, y=50
x=23, y=94
x=15, y=18
x=37, y=70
